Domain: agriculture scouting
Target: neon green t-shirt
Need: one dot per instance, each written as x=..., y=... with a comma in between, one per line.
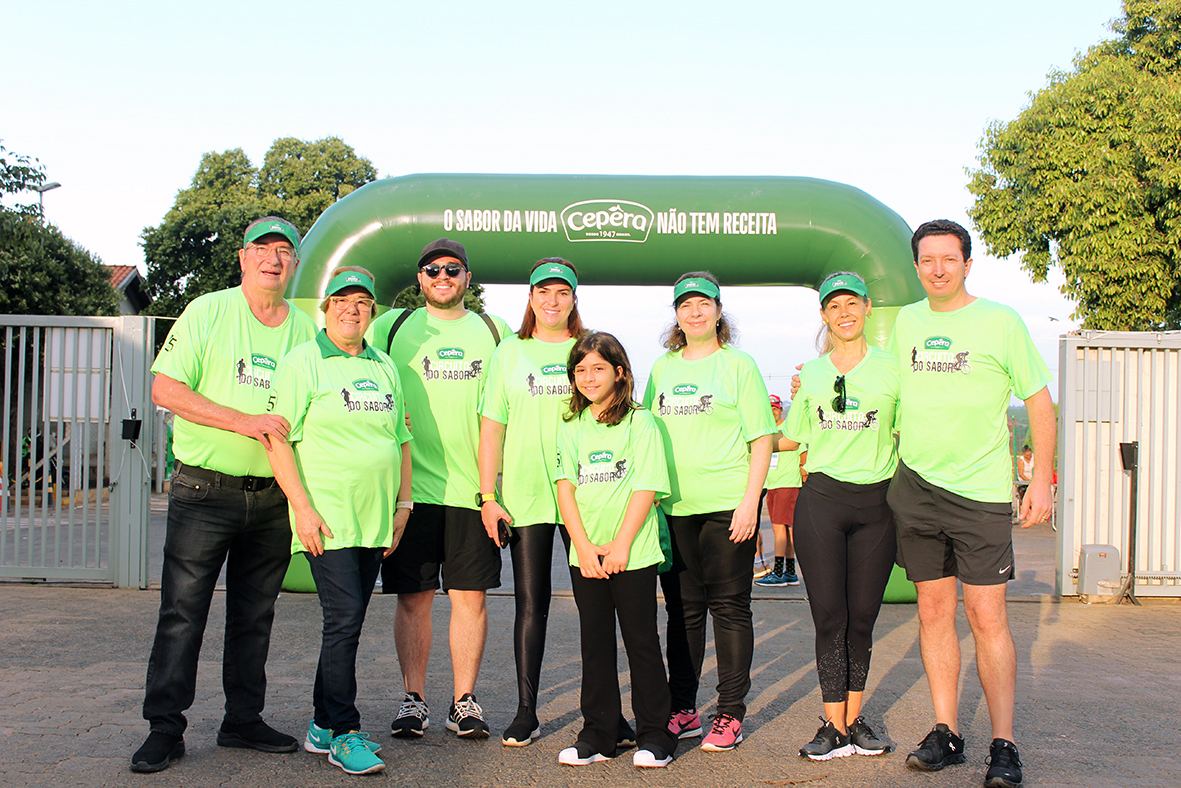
x=528, y=391
x=347, y=417
x=608, y=464
x=219, y=349
x=856, y=446
x=442, y=365
x=785, y=467
x=957, y=370
x=709, y=410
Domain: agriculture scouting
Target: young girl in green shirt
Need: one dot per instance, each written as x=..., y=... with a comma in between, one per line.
x=609, y=473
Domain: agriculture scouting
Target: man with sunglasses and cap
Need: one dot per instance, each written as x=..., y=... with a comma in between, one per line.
x=442, y=353
x=960, y=358
x=224, y=507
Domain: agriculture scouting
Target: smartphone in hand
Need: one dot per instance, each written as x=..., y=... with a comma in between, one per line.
x=504, y=532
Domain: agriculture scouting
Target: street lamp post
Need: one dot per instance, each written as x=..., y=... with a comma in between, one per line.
x=45, y=187
x=41, y=189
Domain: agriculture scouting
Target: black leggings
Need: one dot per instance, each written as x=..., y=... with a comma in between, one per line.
x=532, y=551
x=845, y=544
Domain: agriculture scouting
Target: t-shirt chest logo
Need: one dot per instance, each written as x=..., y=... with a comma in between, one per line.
x=366, y=396
x=449, y=364
x=255, y=371
x=603, y=468
x=552, y=383
x=685, y=399
x=936, y=355
x=849, y=421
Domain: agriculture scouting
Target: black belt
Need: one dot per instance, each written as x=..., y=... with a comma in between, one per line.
x=246, y=483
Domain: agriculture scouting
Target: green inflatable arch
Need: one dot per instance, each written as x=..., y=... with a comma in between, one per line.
x=618, y=230
x=621, y=230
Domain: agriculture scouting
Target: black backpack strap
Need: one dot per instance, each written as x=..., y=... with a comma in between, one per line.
x=398, y=321
x=491, y=327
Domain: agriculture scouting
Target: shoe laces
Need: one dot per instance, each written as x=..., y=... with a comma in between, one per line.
x=412, y=707
x=722, y=723
x=1004, y=756
x=467, y=707
x=348, y=742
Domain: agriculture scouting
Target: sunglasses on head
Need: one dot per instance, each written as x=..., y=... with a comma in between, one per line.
x=432, y=270
x=838, y=402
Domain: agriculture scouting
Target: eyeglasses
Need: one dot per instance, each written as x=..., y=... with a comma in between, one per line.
x=286, y=254
x=340, y=303
x=432, y=270
x=838, y=402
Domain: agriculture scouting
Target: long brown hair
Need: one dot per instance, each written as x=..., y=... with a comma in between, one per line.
x=674, y=338
x=612, y=351
x=573, y=322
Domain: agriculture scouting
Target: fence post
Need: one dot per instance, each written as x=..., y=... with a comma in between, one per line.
x=131, y=482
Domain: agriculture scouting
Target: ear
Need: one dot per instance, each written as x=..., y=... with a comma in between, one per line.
x=868, y=306
x=242, y=259
x=967, y=266
x=618, y=374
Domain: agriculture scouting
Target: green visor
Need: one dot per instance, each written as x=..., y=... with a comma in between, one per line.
x=549, y=271
x=695, y=285
x=350, y=279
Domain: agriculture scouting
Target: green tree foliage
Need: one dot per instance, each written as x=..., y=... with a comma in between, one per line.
x=1088, y=176
x=195, y=249
x=41, y=271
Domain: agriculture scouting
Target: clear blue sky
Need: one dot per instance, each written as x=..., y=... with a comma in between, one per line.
x=119, y=100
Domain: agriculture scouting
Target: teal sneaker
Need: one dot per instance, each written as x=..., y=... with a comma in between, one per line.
x=319, y=740
x=350, y=751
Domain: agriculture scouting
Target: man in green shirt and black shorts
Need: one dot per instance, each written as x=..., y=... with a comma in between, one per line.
x=959, y=359
x=442, y=353
x=214, y=372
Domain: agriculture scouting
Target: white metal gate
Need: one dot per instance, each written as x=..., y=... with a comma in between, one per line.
x=1117, y=387
x=74, y=504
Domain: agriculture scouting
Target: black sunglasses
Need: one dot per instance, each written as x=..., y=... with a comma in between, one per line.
x=838, y=402
x=432, y=270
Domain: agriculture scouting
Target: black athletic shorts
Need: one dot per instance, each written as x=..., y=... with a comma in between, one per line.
x=941, y=534
x=447, y=538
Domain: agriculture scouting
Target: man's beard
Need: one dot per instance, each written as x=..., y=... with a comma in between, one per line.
x=456, y=297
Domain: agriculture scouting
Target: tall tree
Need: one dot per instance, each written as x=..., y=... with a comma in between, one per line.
x=41, y=271
x=194, y=250
x=1088, y=177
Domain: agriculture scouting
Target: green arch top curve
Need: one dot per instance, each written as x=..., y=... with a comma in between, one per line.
x=634, y=230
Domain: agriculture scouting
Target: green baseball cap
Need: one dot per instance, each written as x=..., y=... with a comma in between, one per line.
x=268, y=225
x=350, y=279
x=553, y=270
x=695, y=285
x=843, y=282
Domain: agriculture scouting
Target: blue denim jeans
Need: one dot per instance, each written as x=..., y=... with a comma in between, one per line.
x=207, y=526
x=344, y=580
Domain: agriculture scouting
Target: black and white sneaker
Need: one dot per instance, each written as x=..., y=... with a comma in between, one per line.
x=413, y=717
x=828, y=744
x=1004, y=765
x=938, y=748
x=865, y=741
x=522, y=730
x=466, y=718
x=626, y=736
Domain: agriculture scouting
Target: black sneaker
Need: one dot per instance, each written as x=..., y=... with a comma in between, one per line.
x=828, y=744
x=865, y=741
x=1004, y=765
x=413, y=717
x=626, y=736
x=158, y=753
x=255, y=735
x=466, y=718
x=523, y=729
x=939, y=748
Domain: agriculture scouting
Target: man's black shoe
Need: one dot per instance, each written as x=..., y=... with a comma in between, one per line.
x=939, y=748
x=158, y=753
x=255, y=735
x=1004, y=765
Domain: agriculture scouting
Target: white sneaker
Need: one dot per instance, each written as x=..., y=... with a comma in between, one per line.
x=651, y=758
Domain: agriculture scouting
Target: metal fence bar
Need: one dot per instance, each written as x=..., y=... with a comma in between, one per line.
x=5, y=445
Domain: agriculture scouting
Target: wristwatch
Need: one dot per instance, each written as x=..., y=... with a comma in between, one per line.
x=483, y=498
x=406, y=505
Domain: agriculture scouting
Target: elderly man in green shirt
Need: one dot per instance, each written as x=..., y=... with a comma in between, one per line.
x=224, y=507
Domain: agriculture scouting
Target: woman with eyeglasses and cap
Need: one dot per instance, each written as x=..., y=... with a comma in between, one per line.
x=713, y=408
x=844, y=531
x=525, y=395
x=345, y=469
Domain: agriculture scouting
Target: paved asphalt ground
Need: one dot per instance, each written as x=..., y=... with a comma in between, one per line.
x=1097, y=696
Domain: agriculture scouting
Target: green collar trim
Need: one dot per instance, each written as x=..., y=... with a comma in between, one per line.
x=328, y=349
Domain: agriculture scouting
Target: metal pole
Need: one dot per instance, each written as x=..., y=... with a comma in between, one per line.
x=1129, y=454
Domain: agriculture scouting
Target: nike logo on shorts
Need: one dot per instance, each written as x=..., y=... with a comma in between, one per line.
x=1006, y=569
